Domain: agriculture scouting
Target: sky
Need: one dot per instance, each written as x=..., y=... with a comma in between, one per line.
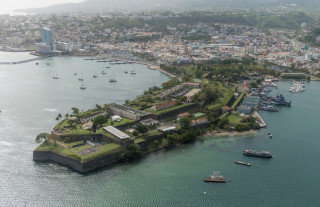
x=8, y=6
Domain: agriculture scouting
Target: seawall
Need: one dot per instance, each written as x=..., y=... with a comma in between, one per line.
x=82, y=167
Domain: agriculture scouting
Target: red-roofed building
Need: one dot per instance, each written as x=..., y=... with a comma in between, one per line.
x=225, y=109
x=199, y=121
x=184, y=115
x=166, y=105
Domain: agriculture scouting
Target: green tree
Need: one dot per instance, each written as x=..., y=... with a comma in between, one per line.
x=42, y=137
x=185, y=122
x=98, y=107
x=223, y=122
x=100, y=120
x=253, y=85
x=141, y=128
x=59, y=116
x=75, y=111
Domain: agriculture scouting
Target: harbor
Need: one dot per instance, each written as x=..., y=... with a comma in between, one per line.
x=297, y=87
x=179, y=169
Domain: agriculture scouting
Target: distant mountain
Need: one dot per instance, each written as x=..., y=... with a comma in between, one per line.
x=130, y=5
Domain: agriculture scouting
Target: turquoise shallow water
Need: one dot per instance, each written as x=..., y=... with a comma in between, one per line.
x=31, y=99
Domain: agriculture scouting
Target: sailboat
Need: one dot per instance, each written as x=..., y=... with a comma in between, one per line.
x=112, y=80
x=55, y=76
x=95, y=75
x=133, y=72
x=80, y=78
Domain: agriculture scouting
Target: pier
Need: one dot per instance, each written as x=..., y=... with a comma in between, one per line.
x=261, y=123
x=22, y=61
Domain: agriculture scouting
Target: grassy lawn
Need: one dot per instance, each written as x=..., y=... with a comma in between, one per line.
x=103, y=150
x=234, y=88
x=76, y=132
x=234, y=119
x=167, y=110
x=224, y=115
x=46, y=146
x=154, y=132
x=235, y=104
x=138, y=140
x=62, y=124
x=122, y=122
x=73, y=143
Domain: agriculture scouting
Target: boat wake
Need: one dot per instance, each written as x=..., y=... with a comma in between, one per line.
x=51, y=110
x=4, y=143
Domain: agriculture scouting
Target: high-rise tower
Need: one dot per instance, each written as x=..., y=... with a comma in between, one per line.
x=47, y=37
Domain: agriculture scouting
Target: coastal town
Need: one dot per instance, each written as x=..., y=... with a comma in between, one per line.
x=221, y=75
x=149, y=36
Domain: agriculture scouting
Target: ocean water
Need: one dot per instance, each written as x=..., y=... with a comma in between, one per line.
x=31, y=99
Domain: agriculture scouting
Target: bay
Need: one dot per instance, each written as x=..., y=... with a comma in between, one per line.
x=31, y=99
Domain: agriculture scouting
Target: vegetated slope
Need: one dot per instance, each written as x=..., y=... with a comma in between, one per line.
x=120, y=5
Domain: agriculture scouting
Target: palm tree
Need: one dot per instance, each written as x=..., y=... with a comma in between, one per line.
x=59, y=116
x=75, y=110
x=57, y=119
x=67, y=115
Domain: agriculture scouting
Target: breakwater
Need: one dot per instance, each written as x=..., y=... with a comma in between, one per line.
x=22, y=61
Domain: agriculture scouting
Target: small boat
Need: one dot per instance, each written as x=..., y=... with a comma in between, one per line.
x=243, y=163
x=75, y=74
x=112, y=80
x=94, y=76
x=108, y=67
x=37, y=63
x=48, y=63
x=133, y=72
x=215, y=177
x=80, y=79
x=126, y=72
x=82, y=87
x=56, y=76
x=270, y=135
x=103, y=72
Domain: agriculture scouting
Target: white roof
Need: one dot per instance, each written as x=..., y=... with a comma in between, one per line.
x=115, y=117
x=164, y=129
x=116, y=132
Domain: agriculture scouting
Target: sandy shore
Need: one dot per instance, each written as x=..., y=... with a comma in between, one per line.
x=229, y=134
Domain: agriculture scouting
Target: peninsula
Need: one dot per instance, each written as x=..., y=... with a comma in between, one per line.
x=200, y=99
